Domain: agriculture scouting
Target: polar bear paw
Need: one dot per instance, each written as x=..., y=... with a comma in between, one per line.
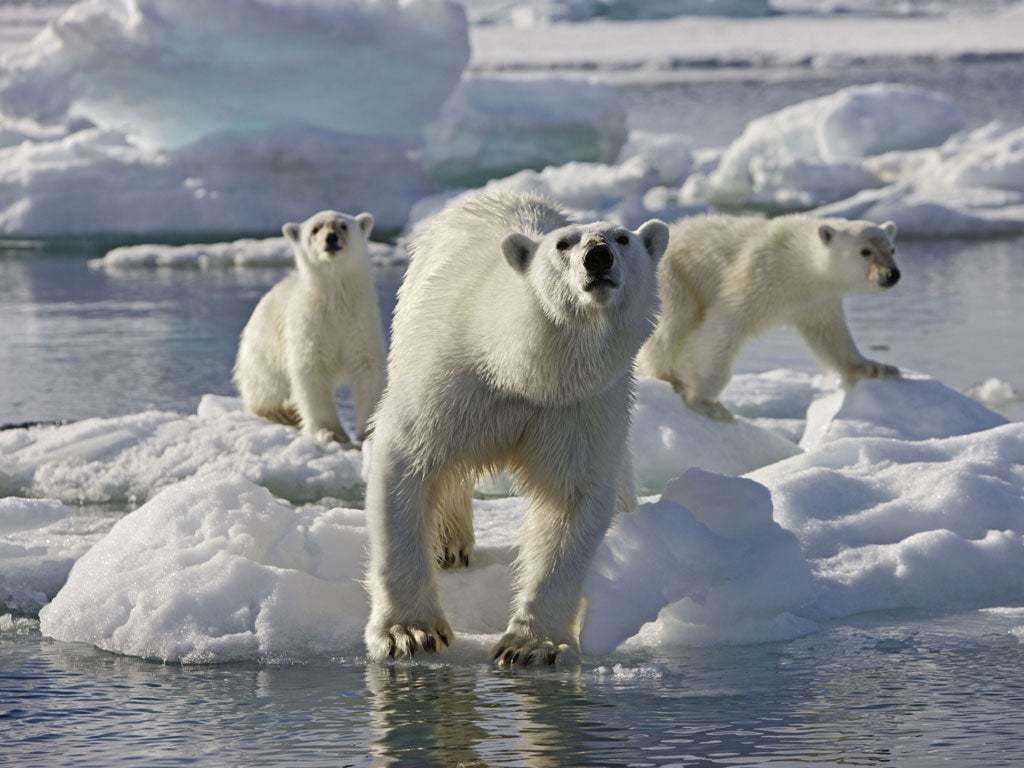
x=403, y=641
x=517, y=649
x=328, y=436
x=713, y=409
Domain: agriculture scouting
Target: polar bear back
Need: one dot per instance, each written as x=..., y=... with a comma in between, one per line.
x=761, y=265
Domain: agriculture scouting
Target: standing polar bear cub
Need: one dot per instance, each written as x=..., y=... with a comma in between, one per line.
x=512, y=346
x=318, y=325
x=726, y=279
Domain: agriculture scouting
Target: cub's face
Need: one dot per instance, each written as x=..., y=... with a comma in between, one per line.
x=325, y=236
x=862, y=254
x=582, y=270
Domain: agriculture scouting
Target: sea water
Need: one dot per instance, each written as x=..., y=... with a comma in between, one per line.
x=885, y=689
x=877, y=689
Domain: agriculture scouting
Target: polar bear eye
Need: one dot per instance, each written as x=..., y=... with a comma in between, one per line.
x=344, y=227
x=563, y=244
x=865, y=252
x=622, y=239
x=316, y=229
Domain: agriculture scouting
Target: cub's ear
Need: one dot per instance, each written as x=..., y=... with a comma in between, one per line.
x=826, y=233
x=365, y=223
x=890, y=229
x=518, y=250
x=292, y=231
x=654, y=235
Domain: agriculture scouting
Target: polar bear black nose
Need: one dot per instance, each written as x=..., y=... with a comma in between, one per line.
x=890, y=278
x=598, y=259
x=332, y=238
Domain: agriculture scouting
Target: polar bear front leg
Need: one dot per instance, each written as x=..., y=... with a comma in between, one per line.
x=705, y=364
x=558, y=543
x=572, y=472
x=313, y=394
x=406, y=616
x=826, y=333
x=367, y=381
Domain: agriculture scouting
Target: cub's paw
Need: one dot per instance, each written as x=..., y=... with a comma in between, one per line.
x=519, y=650
x=872, y=370
x=455, y=555
x=403, y=641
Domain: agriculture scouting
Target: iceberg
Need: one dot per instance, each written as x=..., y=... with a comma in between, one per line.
x=168, y=73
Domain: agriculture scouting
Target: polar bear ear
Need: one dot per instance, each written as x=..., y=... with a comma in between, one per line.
x=518, y=250
x=365, y=223
x=889, y=228
x=654, y=235
x=292, y=231
x=826, y=233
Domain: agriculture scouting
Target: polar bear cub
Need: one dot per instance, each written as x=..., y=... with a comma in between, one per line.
x=319, y=324
x=512, y=346
x=726, y=279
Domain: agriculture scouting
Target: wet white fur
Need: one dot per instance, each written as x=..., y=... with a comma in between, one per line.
x=318, y=325
x=726, y=279
x=501, y=358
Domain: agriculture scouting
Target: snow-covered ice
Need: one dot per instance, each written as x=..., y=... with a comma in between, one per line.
x=83, y=152
x=129, y=458
x=808, y=154
x=214, y=567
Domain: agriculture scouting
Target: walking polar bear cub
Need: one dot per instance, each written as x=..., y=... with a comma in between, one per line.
x=319, y=324
x=512, y=346
x=726, y=279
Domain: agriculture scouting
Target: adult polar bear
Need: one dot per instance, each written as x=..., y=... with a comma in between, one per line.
x=320, y=323
x=512, y=346
x=726, y=279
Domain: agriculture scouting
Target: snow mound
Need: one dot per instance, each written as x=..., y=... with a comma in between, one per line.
x=168, y=76
x=890, y=523
x=808, y=154
x=971, y=184
x=667, y=438
x=910, y=408
x=710, y=551
x=215, y=571
x=490, y=128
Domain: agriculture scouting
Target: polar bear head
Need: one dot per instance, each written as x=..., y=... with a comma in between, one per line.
x=328, y=237
x=861, y=253
x=579, y=270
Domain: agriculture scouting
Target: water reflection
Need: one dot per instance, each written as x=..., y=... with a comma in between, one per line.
x=877, y=690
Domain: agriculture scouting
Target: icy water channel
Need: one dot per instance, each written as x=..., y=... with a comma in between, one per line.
x=877, y=690
x=81, y=342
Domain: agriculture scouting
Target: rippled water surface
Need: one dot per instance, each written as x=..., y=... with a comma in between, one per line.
x=82, y=342
x=880, y=690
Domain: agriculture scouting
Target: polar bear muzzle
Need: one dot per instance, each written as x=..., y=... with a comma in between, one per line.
x=598, y=261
